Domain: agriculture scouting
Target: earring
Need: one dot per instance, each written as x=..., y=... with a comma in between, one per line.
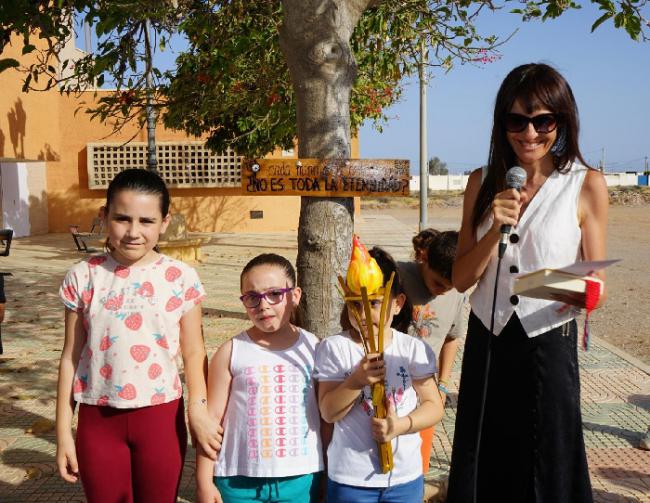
x=559, y=147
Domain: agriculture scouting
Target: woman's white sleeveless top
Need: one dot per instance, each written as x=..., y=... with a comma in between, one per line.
x=272, y=424
x=547, y=236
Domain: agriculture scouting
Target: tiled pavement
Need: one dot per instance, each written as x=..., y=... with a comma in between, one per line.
x=615, y=387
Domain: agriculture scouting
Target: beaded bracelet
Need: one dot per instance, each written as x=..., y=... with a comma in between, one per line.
x=443, y=388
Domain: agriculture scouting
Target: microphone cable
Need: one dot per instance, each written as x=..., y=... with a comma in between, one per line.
x=515, y=179
x=486, y=374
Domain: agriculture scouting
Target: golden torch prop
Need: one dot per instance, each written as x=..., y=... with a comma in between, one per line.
x=364, y=283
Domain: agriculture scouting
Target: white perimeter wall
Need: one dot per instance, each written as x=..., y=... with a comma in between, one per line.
x=441, y=182
x=459, y=182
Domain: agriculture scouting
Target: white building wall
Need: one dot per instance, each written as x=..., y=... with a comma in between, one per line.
x=624, y=179
x=15, y=198
x=23, y=196
x=441, y=182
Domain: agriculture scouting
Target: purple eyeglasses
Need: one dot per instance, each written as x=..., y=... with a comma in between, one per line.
x=275, y=296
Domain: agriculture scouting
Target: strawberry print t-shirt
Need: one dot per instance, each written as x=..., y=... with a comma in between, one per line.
x=131, y=316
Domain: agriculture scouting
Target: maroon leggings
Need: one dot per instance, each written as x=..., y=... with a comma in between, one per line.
x=131, y=455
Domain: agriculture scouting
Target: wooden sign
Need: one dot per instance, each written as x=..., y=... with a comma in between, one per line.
x=326, y=177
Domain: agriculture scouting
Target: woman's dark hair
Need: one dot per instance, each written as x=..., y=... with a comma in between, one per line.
x=139, y=180
x=271, y=259
x=535, y=86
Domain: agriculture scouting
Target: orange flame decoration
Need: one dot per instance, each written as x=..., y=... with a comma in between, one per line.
x=363, y=270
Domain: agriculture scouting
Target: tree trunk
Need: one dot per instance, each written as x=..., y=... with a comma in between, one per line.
x=315, y=39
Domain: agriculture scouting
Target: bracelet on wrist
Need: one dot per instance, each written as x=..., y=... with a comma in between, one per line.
x=410, y=423
x=443, y=388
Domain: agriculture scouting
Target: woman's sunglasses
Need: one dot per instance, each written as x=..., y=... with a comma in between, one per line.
x=543, y=123
x=275, y=296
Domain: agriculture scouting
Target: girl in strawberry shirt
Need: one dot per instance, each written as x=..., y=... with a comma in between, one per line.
x=129, y=313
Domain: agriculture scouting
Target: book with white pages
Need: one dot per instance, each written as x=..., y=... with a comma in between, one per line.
x=547, y=283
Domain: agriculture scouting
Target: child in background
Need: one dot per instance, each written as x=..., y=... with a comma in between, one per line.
x=129, y=312
x=439, y=312
x=260, y=385
x=344, y=377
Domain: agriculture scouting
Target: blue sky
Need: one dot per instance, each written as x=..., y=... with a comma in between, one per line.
x=608, y=72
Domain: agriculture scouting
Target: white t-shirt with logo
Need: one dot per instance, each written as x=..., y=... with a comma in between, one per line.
x=271, y=424
x=353, y=456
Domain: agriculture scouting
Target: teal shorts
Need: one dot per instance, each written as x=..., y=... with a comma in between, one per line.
x=297, y=489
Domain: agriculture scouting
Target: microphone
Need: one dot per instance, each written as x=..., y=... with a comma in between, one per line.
x=515, y=179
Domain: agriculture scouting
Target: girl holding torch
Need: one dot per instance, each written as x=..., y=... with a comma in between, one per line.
x=350, y=365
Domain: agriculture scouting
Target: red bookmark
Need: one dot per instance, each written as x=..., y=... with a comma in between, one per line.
x=592, y=295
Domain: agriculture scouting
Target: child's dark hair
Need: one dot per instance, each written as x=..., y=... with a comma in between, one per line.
x=422, y=240
x=271, y=259
x=388, y=266
x=139, y=180
x=440, y=248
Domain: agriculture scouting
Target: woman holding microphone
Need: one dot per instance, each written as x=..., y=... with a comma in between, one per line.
x=518, y=435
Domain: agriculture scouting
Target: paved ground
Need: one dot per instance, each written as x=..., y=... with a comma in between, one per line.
x=615, y=387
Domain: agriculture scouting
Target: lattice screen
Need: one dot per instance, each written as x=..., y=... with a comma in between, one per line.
x=181, y=164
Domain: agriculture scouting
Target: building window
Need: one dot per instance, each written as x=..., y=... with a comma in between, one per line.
x=181, y=164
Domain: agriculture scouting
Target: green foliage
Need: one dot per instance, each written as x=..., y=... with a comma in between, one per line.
x=233, y=83
x=437, y=167
x=8, y=63
x=124, y=53
x=22, y=17
x=387, y=41
x=544, y=9
x=627, y=14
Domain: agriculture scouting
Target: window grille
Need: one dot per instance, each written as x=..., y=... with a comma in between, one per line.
x=181, y=164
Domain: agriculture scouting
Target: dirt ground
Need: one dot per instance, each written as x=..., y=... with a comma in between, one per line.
x=623, y=321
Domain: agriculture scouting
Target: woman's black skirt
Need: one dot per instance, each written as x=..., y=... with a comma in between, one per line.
x=531, y=448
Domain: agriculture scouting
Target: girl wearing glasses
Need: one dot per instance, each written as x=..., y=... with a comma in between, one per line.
x=525, y=427
x=260, y=387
